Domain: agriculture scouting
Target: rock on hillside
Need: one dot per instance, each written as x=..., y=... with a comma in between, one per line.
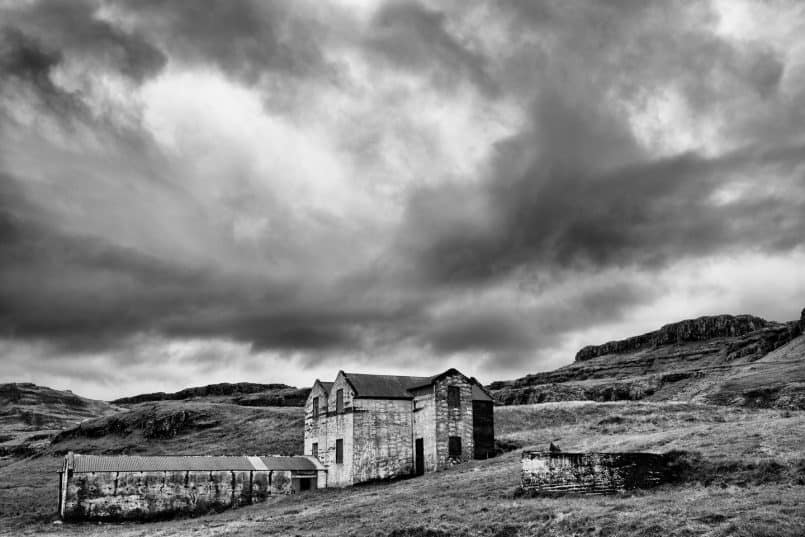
x=242, y=393
x=680, y=361
x=31, y=415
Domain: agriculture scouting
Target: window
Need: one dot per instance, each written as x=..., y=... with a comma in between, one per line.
x=454, y=447
x=339, y=451
x=453, y=397
x=339, y=401
x=315, y=408
x=314, y=449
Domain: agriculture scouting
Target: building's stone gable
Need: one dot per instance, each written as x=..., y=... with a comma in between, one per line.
x=316, y=429
x=453, y=421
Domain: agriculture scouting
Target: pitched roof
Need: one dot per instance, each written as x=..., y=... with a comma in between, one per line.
x=134, y=463
x=327, y=386
x=399, y=386
x=384, y=386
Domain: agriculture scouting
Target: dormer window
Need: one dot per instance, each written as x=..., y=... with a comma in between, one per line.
x=339, y=401
x=315, y=408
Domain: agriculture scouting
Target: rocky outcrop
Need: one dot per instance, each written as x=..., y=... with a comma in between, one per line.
x=694, y=359
x=224, y=389
x=701, y=329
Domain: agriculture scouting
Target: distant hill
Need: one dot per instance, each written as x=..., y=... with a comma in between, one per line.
x=737, y=360
x=31, y=415
x=242, y=393
x=188, y=427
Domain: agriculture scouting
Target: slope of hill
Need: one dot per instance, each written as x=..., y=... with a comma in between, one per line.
x=31, y=415
x=242, y=393
x=689, y=360
x=188, y=428
x=746, y=468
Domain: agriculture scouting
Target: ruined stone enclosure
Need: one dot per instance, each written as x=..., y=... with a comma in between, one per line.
x=546, y=472
x=118, y=488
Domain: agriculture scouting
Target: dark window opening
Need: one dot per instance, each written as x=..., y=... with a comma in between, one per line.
x=339, y=451
x=314, y=450
x=304, y=484
x=315, y=408
x=453, y=397
x=454, y=447
x=339, y=401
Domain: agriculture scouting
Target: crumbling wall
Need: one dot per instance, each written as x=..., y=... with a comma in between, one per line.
x=591, y=473
x=381, y=447
x=153, y=495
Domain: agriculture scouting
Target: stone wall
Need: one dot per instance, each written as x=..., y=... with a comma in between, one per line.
x=453, y=421
x=153, y=495
x=381, y=446
x=590, y=473
x=339, y=426
x=424, y=424
x=316, y=429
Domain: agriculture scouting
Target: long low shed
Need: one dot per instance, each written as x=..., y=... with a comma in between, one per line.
x=96, y=487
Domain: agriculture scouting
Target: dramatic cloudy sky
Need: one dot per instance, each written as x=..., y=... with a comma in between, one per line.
x=270, y=191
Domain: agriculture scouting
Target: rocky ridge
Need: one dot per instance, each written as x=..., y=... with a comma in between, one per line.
x=693, y=359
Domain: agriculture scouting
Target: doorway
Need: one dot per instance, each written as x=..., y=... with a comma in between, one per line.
x=420, y=456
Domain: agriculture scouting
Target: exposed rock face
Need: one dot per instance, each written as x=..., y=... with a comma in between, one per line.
x=737, y=360
x=700, y=329
x=245, y=393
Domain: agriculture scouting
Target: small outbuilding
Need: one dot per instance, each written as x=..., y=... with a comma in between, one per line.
x=96, y=487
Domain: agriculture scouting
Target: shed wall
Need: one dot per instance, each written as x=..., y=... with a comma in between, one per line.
x=150, y=495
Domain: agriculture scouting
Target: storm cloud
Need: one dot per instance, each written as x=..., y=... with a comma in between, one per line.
x=272, y=191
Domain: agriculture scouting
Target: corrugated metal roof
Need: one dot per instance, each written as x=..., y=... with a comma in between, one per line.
x=133, y=463
x=384, y=386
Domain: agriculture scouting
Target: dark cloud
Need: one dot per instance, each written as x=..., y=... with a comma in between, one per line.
x=26, y=61
x=416, y=38
x=75, y=29
x=244, y=38
x=578, y=190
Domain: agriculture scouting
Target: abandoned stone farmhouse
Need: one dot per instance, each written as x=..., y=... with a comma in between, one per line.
x=369, y=427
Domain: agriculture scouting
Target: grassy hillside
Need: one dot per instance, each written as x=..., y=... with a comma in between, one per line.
x=31, y=415
x=746, y=478
x=187, y=428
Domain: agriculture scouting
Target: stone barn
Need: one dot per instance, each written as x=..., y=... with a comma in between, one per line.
x=369, y=427
x=93, y=487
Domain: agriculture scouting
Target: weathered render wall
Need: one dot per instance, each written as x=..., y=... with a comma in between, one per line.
x=381, y=439
x=424, y=423
x=590, y=473
x=339, y=426
x=316, y=429
x=149, y=495
x=453, y=421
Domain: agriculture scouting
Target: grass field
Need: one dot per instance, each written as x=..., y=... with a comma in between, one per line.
x=748, y=480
